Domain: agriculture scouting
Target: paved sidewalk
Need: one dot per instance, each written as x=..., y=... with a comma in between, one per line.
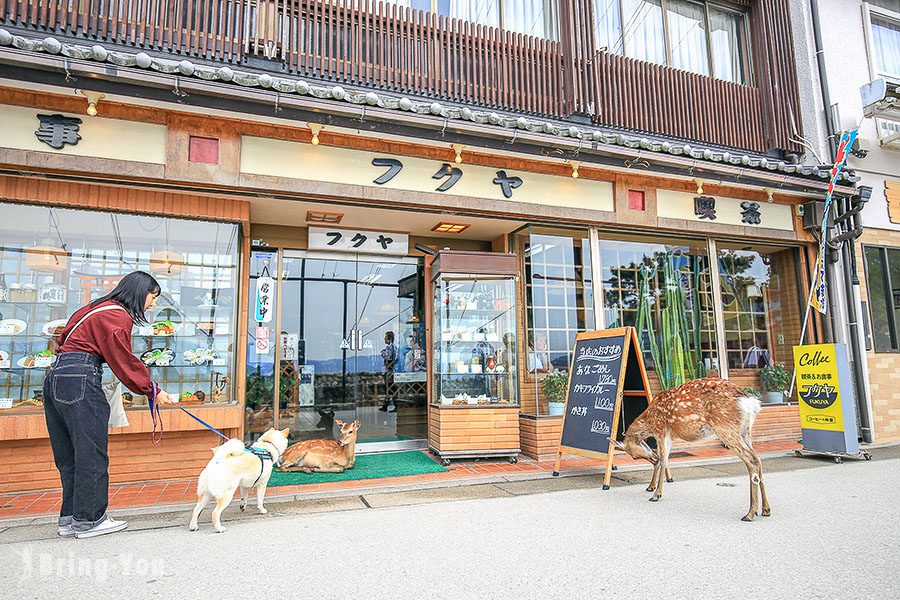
x=172, y=494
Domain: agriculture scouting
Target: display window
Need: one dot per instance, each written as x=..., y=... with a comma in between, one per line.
x=761, y=305
x=53, y=261
x=662, y=287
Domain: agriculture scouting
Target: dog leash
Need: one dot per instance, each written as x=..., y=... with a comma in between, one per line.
x=260, y=453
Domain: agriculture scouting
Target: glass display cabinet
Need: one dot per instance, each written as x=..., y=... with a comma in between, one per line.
x=474, y=367
x=188, y=343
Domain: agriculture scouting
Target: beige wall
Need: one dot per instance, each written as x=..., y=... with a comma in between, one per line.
x=100, y=138
x=884, y=367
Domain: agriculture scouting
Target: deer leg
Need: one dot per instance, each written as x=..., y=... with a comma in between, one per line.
x=653, y=478
x=766, y=509
x=662, y=465
x=754, y=481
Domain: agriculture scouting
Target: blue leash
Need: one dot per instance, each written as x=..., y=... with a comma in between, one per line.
x=259, y=452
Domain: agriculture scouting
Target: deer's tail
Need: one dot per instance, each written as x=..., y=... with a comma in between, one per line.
x=749, y=407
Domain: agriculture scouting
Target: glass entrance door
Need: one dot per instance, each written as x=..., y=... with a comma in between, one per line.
x=352, y=347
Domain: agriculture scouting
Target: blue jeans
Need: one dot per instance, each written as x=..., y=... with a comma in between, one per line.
x=77, y=414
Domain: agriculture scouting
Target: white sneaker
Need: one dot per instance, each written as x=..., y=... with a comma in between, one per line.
x=64, y=527
x=107, y=525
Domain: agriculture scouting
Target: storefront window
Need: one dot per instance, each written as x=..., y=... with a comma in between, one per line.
x=661, y=286
x=883, y=278
x=558, y=305
x=761, y=306
x=53, y=261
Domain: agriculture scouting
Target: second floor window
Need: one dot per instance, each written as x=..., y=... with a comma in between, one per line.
x=693, y=36
x=886, y=45
x=537, y=18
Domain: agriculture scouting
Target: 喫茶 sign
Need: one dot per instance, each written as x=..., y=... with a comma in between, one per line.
x=823, y=377
x=608, y=389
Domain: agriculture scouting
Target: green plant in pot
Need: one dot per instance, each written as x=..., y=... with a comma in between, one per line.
x=775, y=378
x=555, y=386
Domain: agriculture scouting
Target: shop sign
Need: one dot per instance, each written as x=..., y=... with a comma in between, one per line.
x=262, y=340
x=265, y=294
x=296, y=160
x=359, y=241
x=724, y=211
x=823, y=376
x=288, y=347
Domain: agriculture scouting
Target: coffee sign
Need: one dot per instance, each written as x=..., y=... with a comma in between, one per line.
x=823, y=376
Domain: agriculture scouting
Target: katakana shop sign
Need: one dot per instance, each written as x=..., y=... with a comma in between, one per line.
x=360, y=241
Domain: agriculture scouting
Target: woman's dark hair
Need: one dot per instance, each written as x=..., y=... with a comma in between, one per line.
x=131, y=293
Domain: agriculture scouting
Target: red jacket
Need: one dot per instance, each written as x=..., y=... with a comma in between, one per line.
x=108, y=335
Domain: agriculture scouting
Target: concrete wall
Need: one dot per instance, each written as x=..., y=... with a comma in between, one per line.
x=844, y=29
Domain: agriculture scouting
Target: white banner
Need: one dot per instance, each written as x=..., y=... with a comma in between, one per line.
x=358, y=240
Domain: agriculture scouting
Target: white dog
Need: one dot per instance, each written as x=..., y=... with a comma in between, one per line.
x=233, y=466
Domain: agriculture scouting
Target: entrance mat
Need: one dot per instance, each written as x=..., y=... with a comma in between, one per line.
x=368, y=466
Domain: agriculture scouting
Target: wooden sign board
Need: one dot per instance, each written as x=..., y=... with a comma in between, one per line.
x=608, y=390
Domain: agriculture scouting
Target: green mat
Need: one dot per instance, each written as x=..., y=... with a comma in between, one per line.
x=368, y=466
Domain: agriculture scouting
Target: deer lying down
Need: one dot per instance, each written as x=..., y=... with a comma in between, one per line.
x=697, y=410
x=324, y=456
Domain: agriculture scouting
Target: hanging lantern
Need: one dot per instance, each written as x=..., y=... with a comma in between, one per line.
x=51, y=259
x=166, y=263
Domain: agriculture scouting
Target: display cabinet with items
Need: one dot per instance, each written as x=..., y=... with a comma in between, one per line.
x=188, y=342
x=474, y=370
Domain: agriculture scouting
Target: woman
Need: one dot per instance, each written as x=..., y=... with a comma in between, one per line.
x=76, y=408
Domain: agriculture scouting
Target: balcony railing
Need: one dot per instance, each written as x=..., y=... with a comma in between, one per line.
x=364, y=42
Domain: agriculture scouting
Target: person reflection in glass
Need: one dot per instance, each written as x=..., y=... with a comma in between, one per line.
x=538, y=354
x=389, y=356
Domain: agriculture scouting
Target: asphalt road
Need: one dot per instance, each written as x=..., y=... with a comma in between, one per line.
x=833, y=534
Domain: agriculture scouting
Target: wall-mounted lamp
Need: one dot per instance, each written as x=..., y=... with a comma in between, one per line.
x=769, y=195
x=458, y=149
x=699, y=183
x=575, y=164
x=315, y=128
x=93, y=99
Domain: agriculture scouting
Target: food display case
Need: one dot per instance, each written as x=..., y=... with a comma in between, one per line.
x=188, y=342
x=474, y=407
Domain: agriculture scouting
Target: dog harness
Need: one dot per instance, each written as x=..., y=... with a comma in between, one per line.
x=263, y=456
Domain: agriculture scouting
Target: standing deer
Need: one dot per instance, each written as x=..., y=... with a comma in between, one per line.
x=697, y=410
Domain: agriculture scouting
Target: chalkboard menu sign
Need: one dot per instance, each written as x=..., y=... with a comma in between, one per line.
x=607, y=367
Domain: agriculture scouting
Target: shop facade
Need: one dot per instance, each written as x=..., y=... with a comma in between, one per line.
x=354, y=236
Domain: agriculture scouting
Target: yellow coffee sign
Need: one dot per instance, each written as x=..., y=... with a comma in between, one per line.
x=819, y=388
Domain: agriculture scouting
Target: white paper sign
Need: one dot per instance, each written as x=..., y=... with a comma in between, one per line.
x=5, y=362
x=222, y=329
x=265, y=295
x=288, y=346
x=358, y=240
x=43, y=361
x=8, y=329
x=6, y=402
x=219, y=362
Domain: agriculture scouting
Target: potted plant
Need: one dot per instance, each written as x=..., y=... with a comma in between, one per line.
x=775, y=379
x=555, y=386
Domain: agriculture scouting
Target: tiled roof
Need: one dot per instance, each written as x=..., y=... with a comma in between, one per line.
x=284, y=85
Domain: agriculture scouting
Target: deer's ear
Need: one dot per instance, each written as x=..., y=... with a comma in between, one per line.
x=617, y=444
x=338, y=422
x=356, y=423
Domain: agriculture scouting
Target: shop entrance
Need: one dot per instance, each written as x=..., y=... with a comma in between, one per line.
x=351, y=346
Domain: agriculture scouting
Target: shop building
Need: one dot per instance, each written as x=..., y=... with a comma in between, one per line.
x=413, y=251
x=858, y=78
